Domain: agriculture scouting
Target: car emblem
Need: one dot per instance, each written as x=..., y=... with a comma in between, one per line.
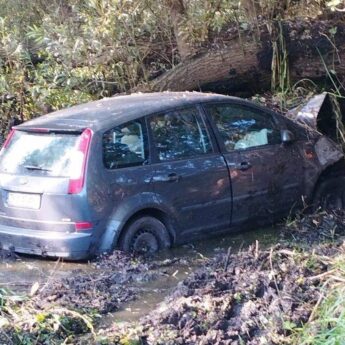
x=23, y=181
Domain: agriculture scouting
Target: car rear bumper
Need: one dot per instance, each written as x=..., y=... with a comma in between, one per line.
x=74, y=246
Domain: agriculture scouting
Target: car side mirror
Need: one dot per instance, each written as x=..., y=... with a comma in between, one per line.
x=286, y=136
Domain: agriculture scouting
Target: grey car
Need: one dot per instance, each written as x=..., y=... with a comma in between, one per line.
x=146, y=171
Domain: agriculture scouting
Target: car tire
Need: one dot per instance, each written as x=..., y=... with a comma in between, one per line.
x=145, y=235
x=330, y=194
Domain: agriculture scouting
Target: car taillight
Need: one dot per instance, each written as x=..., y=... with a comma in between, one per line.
x=80, y=226
x=76, y=182
x=8, y=140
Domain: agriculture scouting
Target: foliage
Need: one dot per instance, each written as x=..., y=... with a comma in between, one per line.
x=328, y=324
x=60, y=53
x=21, y=323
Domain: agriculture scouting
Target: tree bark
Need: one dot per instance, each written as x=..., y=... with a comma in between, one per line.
x=179, y=19
x=246, y=64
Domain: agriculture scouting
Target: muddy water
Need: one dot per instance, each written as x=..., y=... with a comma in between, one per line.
x=20, y=275
x=194, y=255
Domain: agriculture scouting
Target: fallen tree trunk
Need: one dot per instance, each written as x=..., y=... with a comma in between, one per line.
x=245, y=64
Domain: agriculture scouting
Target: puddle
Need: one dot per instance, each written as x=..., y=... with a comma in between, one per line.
x=194, y=254
x=172, y=267
x=19, y=275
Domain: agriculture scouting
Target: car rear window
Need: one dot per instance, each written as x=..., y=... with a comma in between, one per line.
x=51, y=154
x=125, y=146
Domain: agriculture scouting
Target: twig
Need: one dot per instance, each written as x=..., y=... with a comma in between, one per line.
x=322, y=275
x=287, y=252
x=227, y=259
x=15, y=284
x=311, y=317
x=240, y=247
x=256, y=255
x=338, y=279
x=50, y=275
x=273, y=274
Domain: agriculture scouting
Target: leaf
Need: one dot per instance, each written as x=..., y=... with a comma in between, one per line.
x=34, y=288
x=3, y=322
x=288, y=325
x=40, y=317
x=333, y=30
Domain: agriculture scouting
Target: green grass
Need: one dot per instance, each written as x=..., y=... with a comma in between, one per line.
x=327, y=326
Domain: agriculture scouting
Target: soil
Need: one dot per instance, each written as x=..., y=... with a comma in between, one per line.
x=249, y=298
x=252, y=297
x=114, y=280
x=311, y=229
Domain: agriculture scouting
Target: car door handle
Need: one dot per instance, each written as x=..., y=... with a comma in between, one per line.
x=243, y=166
x=173, y=177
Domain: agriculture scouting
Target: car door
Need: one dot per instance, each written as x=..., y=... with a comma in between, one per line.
x=126, y=174
x=190, y=175
x=266, y=175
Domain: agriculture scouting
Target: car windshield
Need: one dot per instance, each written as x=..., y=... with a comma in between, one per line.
x=50, y=154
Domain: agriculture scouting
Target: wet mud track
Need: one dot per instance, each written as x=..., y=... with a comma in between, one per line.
x=256, y=296
x=204, y=293
x=112, y=284
x=248, y=298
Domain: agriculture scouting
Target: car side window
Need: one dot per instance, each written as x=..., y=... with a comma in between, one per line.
x=179, y=134
x=125, y=146
x=241, y=127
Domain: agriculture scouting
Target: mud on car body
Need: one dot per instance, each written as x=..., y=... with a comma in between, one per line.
x=146, y=171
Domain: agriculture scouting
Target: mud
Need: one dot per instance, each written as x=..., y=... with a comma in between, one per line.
x=311, y=229
x=251, y=297
x=254, y=297
x=111, y=281
x=69, y=304
x=214, y=295
x=112, y=284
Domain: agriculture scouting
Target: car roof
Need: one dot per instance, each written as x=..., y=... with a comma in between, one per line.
x=116, y=110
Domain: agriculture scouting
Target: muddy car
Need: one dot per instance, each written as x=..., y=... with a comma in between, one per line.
x=147, y=171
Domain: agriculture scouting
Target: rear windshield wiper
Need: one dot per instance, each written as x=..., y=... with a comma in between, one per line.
x=35, y=167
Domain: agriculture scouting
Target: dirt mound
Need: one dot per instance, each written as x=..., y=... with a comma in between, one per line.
x=110, y=283
x=254, y=297
x=69, y=308
x=315, y=228
x=113, y=280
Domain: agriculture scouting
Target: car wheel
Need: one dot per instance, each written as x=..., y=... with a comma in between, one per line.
x=145, y=235
x=330, y=194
